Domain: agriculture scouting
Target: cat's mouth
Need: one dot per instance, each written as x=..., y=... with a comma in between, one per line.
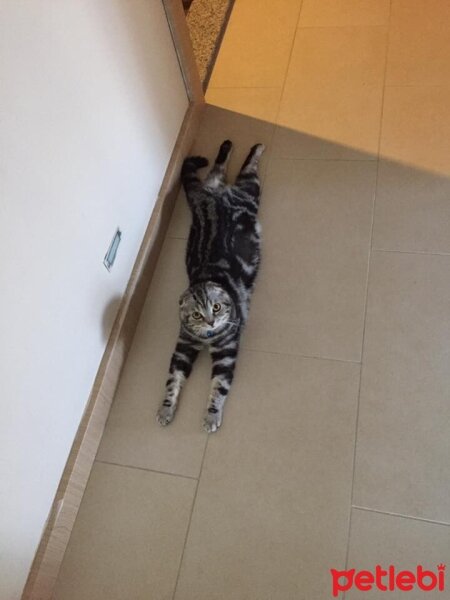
x=211, y=333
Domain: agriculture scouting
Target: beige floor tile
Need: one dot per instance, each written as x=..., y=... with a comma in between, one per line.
x=412, y=210
x=329, y=123
x=419, y=55
x=426, y=13
x=257, y=44
x=310, y=295
x=379, y=539
x=338, y=13
x=260, y=103
x=338, y=56
x=132, y=435
x=128, y=538
x=218, y=125
x=331, y=103
x=416, y=127
x=404, y=434
x=271, y=514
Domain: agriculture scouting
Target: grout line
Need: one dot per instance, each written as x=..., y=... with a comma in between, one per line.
x=270, y=154
x=114, y=464
x=411, y=252
x=288, y=64
x=347, y=550
x=388, y=43
x=303, y=356
x=190, y=519
x=283, y=86
x=367, y=290
x=244, y=87
x=381, y=26
x=296, y=158
x=400, y=515
x=417, y=85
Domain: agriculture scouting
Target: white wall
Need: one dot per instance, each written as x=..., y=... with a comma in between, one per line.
x=91, y=103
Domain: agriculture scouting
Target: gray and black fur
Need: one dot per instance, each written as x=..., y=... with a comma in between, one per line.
x=222, y=260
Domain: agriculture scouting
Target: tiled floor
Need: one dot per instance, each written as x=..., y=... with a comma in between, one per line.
x=336, y=441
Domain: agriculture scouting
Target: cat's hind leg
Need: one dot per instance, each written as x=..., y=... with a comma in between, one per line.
x=248, y=179
x=189, y=177
x=180, y=368
x=217, y=175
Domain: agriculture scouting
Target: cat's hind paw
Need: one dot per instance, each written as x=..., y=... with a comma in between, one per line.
x=165, y=415
x=196, y=162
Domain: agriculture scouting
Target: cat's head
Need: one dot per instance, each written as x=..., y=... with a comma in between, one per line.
x=205, y=310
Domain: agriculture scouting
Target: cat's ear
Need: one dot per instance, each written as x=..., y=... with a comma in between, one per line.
x=183, y=297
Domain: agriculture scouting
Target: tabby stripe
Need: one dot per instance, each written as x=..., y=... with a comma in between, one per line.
x=199, y=242
x=222, y=390
x=225, y=353
x=232, y=336
x=225, y=370
x=188, y=349
x=183, y=357
x=227, y=361
x=212, y=217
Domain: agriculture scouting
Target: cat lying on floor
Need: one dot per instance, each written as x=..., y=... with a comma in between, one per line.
x=222, y=261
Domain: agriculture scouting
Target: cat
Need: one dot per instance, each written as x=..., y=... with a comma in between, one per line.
x=222, y=260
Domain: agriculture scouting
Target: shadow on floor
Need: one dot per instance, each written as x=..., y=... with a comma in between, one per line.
x=355, y=272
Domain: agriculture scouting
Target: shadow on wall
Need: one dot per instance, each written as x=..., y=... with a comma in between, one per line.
x=109, y=316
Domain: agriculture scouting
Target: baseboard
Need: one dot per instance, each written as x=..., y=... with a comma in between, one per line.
x=50, y=552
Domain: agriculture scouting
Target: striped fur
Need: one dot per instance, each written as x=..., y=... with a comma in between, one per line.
x=222, y=260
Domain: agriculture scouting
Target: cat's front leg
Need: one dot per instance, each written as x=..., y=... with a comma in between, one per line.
x=224, y=362
x=180, y=368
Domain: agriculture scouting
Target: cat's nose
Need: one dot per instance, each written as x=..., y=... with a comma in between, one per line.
x=210, y=321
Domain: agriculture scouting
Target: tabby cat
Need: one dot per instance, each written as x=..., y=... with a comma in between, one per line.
x=222, y=260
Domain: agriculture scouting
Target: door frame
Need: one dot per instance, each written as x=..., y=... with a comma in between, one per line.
x=183, y=46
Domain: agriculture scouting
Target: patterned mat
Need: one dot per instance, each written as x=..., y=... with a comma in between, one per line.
x=207, y=20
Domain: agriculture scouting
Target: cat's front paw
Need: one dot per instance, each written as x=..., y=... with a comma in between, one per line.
x=212, y=421
x=165, y=414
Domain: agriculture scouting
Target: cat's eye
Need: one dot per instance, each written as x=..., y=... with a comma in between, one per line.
x=216, y=307
x=196, y=315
